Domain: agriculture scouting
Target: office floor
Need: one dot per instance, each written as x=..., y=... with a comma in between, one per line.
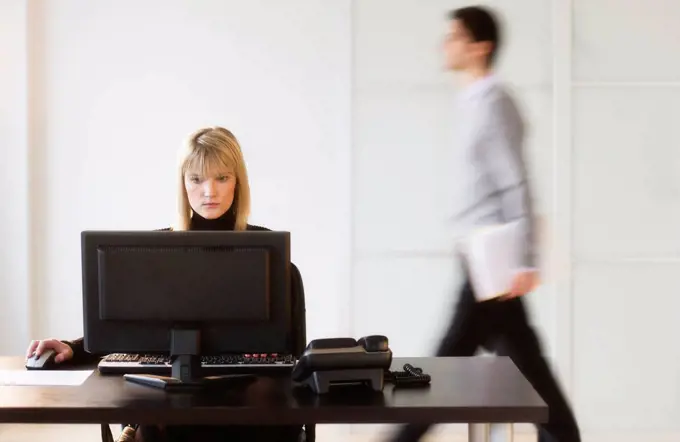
x=325, y=433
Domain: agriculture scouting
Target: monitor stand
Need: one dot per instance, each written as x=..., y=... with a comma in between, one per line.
x=186, y=371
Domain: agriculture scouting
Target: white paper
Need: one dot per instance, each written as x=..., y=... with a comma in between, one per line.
x=45, y=378
x=493, y=256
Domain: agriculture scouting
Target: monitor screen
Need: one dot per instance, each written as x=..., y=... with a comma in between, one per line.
x=172, y=284
x=231, y=287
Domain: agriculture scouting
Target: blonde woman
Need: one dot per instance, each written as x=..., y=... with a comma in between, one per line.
x=213, y=194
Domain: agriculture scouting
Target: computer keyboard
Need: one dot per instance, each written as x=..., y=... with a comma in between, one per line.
x=121, y=363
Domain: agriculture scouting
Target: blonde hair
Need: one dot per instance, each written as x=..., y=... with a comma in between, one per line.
x=208, y=149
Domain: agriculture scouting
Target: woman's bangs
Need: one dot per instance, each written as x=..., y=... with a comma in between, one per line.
x=208, y=163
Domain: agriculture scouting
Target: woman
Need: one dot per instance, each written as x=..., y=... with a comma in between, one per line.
x=213, y=195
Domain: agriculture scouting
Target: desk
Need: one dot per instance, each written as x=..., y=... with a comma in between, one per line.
x=477, y=390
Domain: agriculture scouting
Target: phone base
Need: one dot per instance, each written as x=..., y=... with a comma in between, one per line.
x=321, y=381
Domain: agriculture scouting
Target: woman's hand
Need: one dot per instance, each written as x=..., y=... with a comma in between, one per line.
x=64, y=352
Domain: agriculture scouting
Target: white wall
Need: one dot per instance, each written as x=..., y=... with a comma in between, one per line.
x=626, y=213
x=14, y=229
x=403, y=103
x=116, y=89
x=98, y=96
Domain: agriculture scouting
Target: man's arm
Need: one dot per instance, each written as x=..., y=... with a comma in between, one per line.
x=502, y=153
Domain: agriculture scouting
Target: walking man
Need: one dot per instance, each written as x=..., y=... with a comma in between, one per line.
x=496, y=191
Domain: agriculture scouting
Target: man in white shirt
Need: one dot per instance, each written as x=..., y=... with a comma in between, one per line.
x=493, y=189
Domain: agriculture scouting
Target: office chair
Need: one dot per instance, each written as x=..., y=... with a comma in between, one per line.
x=297, y=292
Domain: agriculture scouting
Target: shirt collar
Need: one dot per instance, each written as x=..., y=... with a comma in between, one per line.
x=478, y=87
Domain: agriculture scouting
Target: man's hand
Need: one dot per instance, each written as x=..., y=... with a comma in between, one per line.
x=523, y=283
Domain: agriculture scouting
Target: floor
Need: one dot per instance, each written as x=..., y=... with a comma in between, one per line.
x=325, y=433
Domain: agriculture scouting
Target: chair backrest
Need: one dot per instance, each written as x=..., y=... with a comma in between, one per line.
x=297, y=293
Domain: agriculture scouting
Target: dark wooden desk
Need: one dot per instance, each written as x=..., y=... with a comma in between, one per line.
x=463, y=390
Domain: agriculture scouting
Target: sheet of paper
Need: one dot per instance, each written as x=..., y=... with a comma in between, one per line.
x=45, y=378
x=493, y=257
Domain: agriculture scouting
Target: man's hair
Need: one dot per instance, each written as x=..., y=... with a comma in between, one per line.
x=482, y=26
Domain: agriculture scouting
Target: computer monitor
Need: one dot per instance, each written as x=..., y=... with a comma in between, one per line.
x=186, y=294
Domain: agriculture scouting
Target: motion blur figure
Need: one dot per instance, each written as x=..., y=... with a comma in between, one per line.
x=491, y=180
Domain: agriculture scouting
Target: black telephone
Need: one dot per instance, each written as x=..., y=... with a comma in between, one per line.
x=341, y=361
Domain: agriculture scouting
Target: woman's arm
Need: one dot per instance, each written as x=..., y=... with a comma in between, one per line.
x=80, y=356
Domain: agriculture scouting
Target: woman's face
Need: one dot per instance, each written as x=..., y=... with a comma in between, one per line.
x=210, y=196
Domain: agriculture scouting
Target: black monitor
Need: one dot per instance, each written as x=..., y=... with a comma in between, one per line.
x=186, y=294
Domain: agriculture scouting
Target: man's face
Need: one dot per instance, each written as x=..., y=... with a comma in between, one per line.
x=460, y=51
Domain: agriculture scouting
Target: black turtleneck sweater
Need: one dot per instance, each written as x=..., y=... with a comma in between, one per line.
x=224, y=223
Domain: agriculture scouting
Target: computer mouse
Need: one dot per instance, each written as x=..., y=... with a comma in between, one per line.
x=43, y=362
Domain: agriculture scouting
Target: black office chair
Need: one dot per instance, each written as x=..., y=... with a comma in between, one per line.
x=297, y=292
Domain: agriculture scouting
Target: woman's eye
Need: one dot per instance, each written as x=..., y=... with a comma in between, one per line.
x=222, y=178
x=194, y=180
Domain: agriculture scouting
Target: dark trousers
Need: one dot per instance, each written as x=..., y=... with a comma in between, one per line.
x=503, y=327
